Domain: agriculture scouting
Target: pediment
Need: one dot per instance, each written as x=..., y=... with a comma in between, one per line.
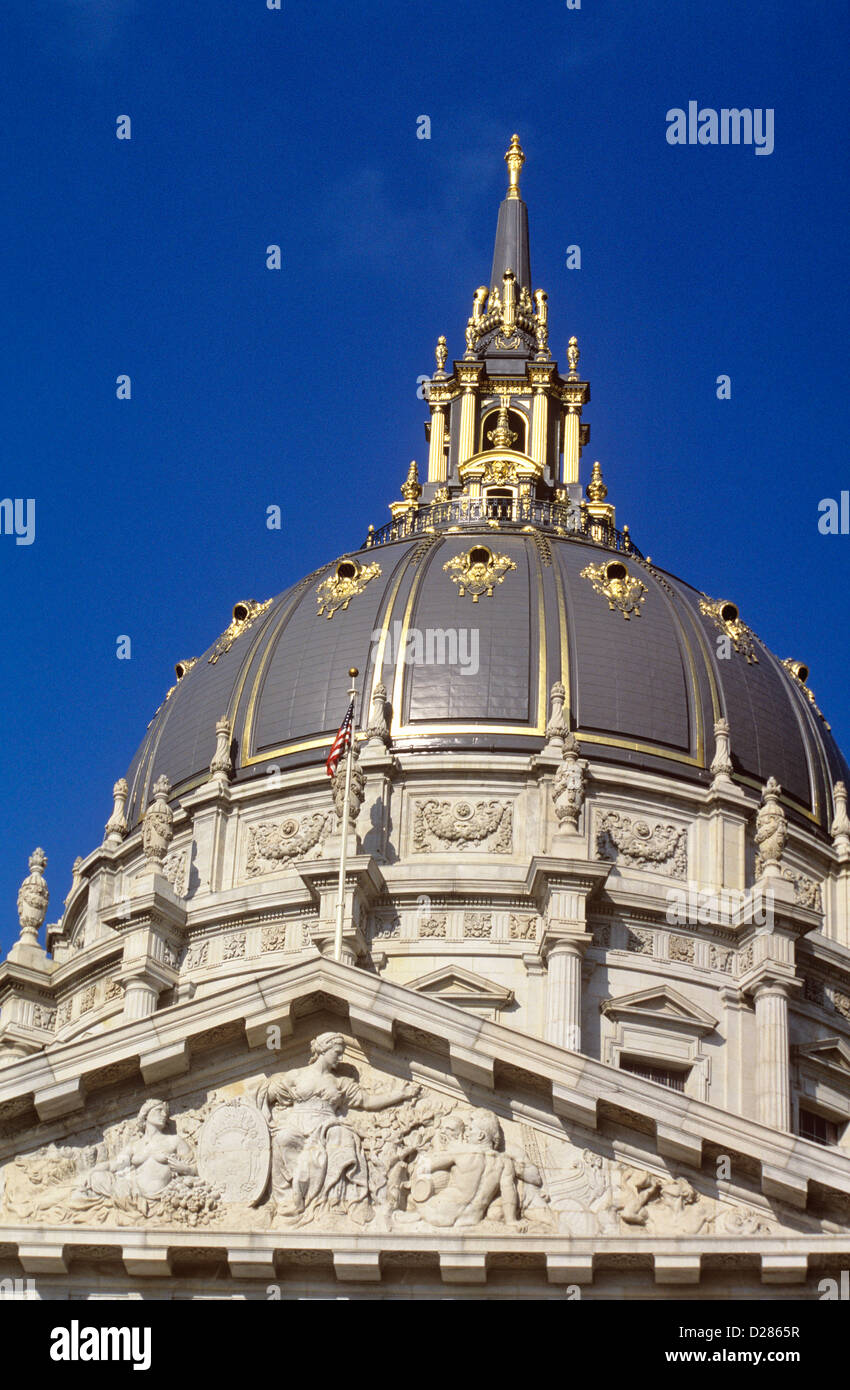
x=455, y=985
x=833, y=1053
x=232, y=1069
x=661, y=1002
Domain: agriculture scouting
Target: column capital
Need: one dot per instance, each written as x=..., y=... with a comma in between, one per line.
x=565, y=938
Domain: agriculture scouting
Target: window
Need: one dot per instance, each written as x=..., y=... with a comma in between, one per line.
x=663, y=1076
x=816, y=1128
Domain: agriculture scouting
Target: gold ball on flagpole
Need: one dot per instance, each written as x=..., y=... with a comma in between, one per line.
x=353, y=671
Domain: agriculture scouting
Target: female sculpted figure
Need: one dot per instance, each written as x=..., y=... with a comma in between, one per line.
x=145, y=1168
x=318, y=1159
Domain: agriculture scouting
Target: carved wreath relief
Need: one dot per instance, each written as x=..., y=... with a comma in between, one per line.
x=661, y=848
x=279, y=843
x=336, y=1147
x=460, y=826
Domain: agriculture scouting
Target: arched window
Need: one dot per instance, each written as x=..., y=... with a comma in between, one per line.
x=516, y=422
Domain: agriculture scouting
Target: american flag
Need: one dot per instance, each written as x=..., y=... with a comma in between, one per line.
x=341, y=743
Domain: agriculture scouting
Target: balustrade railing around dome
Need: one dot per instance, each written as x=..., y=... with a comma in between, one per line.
x=505, y=512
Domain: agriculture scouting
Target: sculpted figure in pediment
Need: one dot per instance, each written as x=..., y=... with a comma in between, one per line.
x=318, y=1159
x=469, y=1178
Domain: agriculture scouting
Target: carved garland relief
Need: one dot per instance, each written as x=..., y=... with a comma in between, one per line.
x=637, y=844
x=273, y=845
x=460, y=825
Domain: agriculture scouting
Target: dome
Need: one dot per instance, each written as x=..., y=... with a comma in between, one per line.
x=644, y=684
x=498, y=578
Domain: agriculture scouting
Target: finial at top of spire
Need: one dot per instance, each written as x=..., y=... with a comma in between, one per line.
x=514, y=159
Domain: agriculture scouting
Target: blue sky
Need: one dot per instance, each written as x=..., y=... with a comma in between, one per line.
x=252, y=387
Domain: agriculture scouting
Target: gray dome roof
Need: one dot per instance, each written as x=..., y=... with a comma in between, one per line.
x=643, y=691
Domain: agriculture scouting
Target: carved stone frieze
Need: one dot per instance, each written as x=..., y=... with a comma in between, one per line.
x=722, y=958
x=174, y=869
x=640, y=941
x=196, y=955
x=521, y=928
x=276, y=844
x=336, y=1146
x=807, y=891
x=681, y=948
x=434, y=927
x=273, y=938
x=841, y=1003
x=638, y=844
x=386, y=928
x=477, y=924
x=460, y=826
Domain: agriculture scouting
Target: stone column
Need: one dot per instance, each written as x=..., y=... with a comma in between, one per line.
x=436, y=452
x=773, y=1080
x=140, y=998
x=572, y=421
x=563, y=994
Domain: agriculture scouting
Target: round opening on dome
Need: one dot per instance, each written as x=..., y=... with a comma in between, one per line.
x=346, y=570
x=801, y=671
x=615, y=570
x=729, y=613
x=240, y=612
x=479, y=555
x=180, y=669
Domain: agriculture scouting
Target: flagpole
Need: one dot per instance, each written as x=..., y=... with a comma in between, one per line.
x=340, y=896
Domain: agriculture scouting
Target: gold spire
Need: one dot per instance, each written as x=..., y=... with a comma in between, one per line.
x=598, y=516
x=596, y=489
x=573, y=355
x=514, y=160
x=411, y=488
x=441, y=352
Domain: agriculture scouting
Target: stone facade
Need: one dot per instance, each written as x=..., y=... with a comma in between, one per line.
x=588, y=1025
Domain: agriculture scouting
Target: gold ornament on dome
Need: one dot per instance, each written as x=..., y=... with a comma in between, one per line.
x=500, y=471
x=478, y=571
x=180, y=669
x=800, y=672
x=624, y=591
x=244, y=614
x=441, y=353
x=349, y=579
x=727, y=620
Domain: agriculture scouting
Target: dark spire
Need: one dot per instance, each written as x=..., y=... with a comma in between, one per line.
x=511, y=250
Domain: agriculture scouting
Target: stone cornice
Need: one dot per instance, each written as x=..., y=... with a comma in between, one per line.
x=459, y=1259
